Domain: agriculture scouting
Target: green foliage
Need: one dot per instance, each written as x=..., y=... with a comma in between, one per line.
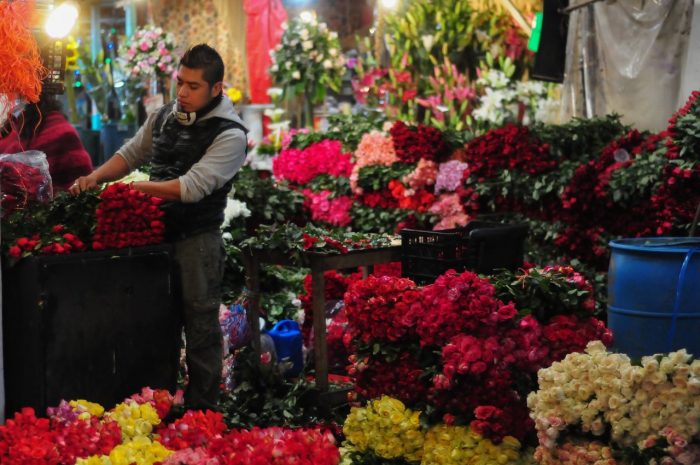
x=542, y=294
x=687, y=134
x=76, y=213
x=268, y=202
x=580, y=140
x=291, y=240
x=348, y=129
x=262, y=397
x=425, y=32
x=639, y=180
x=377, y=177
x=337, y=185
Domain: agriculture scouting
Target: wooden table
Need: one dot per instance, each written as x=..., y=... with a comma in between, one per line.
x=319, y=263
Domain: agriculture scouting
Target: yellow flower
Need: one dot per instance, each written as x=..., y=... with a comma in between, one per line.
x=234, y=94
x=140, y=451
x=134, y=419
x=387, y=428
x=459, y=445
x=87, y=409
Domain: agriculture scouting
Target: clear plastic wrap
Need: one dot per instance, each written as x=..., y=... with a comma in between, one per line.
x=627, y=57
x=24, y=178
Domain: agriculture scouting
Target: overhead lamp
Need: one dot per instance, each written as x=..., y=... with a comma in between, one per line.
x=61, y=20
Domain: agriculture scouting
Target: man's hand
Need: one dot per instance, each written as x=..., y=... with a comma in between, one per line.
x=83, y=183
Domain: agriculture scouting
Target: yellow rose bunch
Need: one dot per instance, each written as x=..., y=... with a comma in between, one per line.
x=386, y=427
x=459, y=445
x=134, y=419
x=86, y=409
x=139, y=451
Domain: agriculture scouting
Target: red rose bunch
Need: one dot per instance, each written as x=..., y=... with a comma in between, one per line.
x=379, y=199
x=28, y=440
x=58, y=241
x=508, y=148
x=160, y=399
x=564, y=334
x=21, y=184
x=83, y=438
x=683, y=140
x=381, y=309
x=420, y=200
x=402, y=378
x=675, y=201
x=336, y=284
x=194, y=429
x=276, y=446
x=127, y=217
x=300, y=166
x=412, y=144
x=460, y=303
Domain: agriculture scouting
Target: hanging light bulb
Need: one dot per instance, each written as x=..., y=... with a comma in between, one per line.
x=61, y=20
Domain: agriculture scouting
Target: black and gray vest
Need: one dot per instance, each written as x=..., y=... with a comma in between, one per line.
x=176, y=148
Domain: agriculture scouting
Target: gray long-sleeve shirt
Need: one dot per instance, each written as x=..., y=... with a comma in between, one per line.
x=220, y=162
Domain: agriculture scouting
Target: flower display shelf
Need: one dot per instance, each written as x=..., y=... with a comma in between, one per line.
x=318, y=263
x=94, y=325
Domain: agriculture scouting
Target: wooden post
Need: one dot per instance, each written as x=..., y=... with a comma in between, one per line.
x=319, y=311
x=252, y=266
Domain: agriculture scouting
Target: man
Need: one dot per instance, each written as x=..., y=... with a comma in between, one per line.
x=195, y=146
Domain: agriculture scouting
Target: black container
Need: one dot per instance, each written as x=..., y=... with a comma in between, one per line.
x=94, y=325
x=480, y=246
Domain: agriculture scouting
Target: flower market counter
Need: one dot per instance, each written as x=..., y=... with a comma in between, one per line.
x=95, y=325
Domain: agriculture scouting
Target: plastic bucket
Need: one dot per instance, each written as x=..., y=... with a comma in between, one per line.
x=654, y=295
x=288, y=345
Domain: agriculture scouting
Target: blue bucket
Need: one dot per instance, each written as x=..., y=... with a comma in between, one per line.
x=288, y=345
x=654, y=295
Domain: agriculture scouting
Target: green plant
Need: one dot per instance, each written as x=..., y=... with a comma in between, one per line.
x=307, y=62
x=262, y=397
x=268, y=202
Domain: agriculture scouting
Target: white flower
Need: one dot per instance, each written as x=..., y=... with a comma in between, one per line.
x=307, y=45
x=327, y=64
x=234, y=209
x=296, y=75
x=288, y=65
x=428, y=41
x=285, y=26
x=274, y=68
x=280, y=126
x=319, y=58
x=322, y=27
x=274, y=92
x=227, y=236
x=304, y=34
x=294, y=43
x=333, y=35
x=273, y=113
x=333, y=51
x=272, y=54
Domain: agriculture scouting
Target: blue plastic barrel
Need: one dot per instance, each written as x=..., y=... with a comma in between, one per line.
x=288, y=343
x=654, y=295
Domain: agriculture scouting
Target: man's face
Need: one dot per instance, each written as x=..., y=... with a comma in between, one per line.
x=193, y=92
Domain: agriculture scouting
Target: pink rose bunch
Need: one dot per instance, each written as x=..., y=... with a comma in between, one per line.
x=300, y=166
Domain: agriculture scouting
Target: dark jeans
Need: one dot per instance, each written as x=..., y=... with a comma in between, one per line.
x=201, y=265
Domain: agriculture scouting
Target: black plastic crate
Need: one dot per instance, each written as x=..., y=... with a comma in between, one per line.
x=93, y=325
x=479, y=246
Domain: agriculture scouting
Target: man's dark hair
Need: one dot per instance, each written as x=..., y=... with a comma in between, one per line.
x=204, y=57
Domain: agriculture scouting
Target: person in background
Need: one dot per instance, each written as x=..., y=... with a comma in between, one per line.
x=43, y=127
x=195, y=145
